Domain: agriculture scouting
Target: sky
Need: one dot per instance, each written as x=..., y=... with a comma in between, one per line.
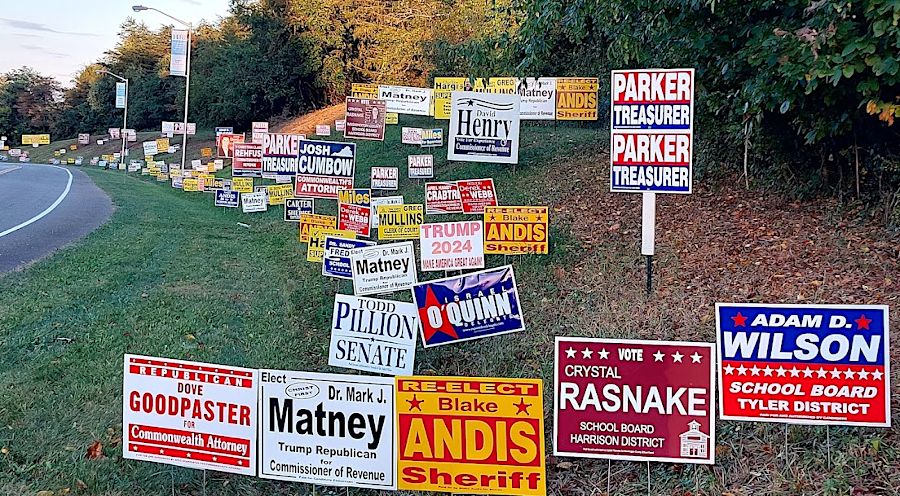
x=60, y=37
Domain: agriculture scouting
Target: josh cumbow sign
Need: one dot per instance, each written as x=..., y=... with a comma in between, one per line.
x=804, y=364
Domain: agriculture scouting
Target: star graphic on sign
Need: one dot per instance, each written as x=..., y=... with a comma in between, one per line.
x=728, y=369
x=470, y=103
x=808, y=372
x=695, y=358
x=493, y=217
x=677, y=356
x=742, y=370
x=862, y=322
x=821, y=372
x=835, y=373
x=602, y=354
x=849, y=374
x=522, y=407
x=586, y=353
x=739, y=320
x=768, y=371
x=570, y=353
x=414, y=403
x=781, y=371
x=876, y=376
x=658, y=356
x=755, y=370
x=863, y=375
x=795, y=372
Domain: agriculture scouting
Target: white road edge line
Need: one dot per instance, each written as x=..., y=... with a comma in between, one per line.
x=4, y=171
x=49, y=209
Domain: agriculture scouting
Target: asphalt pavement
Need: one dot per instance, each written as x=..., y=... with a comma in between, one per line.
x=43, y=208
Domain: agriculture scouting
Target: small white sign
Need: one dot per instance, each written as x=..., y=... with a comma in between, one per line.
x=254, y=202
x=383, y=268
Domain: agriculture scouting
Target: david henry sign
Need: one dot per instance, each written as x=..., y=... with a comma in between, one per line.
x=189, y=414
x=484, y=127
x=634, y=400
x=471, y=435
x=330, y=429
x=804, y=364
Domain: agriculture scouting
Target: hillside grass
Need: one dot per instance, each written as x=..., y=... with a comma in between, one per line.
x=172, y=276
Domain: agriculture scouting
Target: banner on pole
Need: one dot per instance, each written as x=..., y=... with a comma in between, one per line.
x=178, y=57
x=120, y=95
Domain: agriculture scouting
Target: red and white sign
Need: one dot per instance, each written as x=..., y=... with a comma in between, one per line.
x=323, y=130
x=225, y=144
x=354, y=218
x=420, y=166
x=190, y=414
x=247, y=160
x=442, y=198
x=634, y=400
x=387, y=178
x=452, y=245
x=476, y=194
x=259, y=131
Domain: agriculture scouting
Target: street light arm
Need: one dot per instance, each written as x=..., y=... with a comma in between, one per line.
x=104, y=71
x=138, y=8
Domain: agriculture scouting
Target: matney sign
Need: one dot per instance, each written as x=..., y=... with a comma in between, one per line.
x=484, y=127
x=373, y=335
x=324, y=168
x=634, y=400
x=452, y=245
x=189, y=414
x=471, y=435
x=279, y=153
x=383, y=268
x=470, y=306
x=406, y=100
x=328, y=429
x=652, y=130
x=804, y=364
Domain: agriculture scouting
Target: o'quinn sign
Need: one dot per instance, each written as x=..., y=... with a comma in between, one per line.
x=804, y=364
x=652, y=130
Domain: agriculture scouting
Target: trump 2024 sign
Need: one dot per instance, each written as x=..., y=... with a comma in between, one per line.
x=804, y=364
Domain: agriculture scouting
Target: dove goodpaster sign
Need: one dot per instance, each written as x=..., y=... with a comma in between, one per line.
x=484, y=127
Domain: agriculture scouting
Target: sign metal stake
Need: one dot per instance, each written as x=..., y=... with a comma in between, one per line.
x=648, y=234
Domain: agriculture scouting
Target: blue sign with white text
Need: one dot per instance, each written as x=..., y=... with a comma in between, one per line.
x=336, y=260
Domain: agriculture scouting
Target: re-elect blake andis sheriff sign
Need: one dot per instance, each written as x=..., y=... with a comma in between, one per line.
x=804, y=364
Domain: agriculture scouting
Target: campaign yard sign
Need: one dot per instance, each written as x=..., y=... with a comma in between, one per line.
x=452, y=245
x=411, y=135
x=484, y=127
x=365, y=119
x=242, y=184
x=324, y=168
x=406, y=100
x=278, y=193
x=420, y=166
x=804, y=364
x=308, y=221
x=279, y=153
x=443, y=88
x=432, y=138
x=84, y=139
x=400, y=221
x=247, y=160
x=476, y=194
x=652, y=134
x=385, y=178
x=355, y=210
x=470, y=306
x=327, y=429
x=364, y=90
x=323, y=130
x=225, y=144
x=315, y=249
x=516, y=230
x=471, y=435
x=538, y=98
x=634, y=400
x=383, y=268
x=576, y=99
x=189, y=414
x=254, y=202
x=227, y=198
x=382, y=200
x=295, y=207
x=258, y=131
x=336, y=257
x=373, y=335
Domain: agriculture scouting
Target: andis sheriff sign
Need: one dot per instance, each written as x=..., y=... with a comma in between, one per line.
x=634, y=400
x=227, y=198
x=373, y=335
x=652, y=130
x=470, y=306
x=383, y=268
x=190, y=414
x=471, y=435
x=452, y=245
x=516, y=230
x=484, y=127
x=336, y=258
x=804, y=364
x=324, y=168
x=329, y=429
x=279, y=153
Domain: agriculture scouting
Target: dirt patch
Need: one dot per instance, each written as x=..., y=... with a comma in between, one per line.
x=306, y=124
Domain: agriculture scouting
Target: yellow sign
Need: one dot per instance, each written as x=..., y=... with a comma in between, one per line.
x=242, y=184
x=148, y=159
x=190, y=185
x=56, y=153
x=502, y=85
x=206, y=181
x=307, y=221
x=162, y=177
x=400, y=221
x=162, y=145
x=576, y=99
x=73, y=147
x=278, y=192
x=71, y=161
x=391, y=118
x=35, y=139
x=516, y=230
x=442, y=88
x=206, y=152
x=471, y=435
x=364, y=90
x=315, y=250
x=155, y=171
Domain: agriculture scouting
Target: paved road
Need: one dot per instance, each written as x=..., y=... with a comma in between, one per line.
x=43, y=208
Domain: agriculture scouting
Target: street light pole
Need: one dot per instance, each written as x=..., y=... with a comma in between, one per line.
x=125, y=118
x=187, y=74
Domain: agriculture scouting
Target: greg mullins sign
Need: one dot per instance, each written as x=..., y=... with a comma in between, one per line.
x=634, y=400
x=484, y=127
x=329, y=429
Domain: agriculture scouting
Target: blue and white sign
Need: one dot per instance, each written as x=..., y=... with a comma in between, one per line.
x=336, y=259
x=373, y=335
x=484, y=127
x=120, y=95
x=471, y=306
x=227, y=198
x=178, y=62
x=224, y=130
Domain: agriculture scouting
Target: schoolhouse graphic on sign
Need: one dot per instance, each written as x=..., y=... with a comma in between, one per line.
x=694, y=443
